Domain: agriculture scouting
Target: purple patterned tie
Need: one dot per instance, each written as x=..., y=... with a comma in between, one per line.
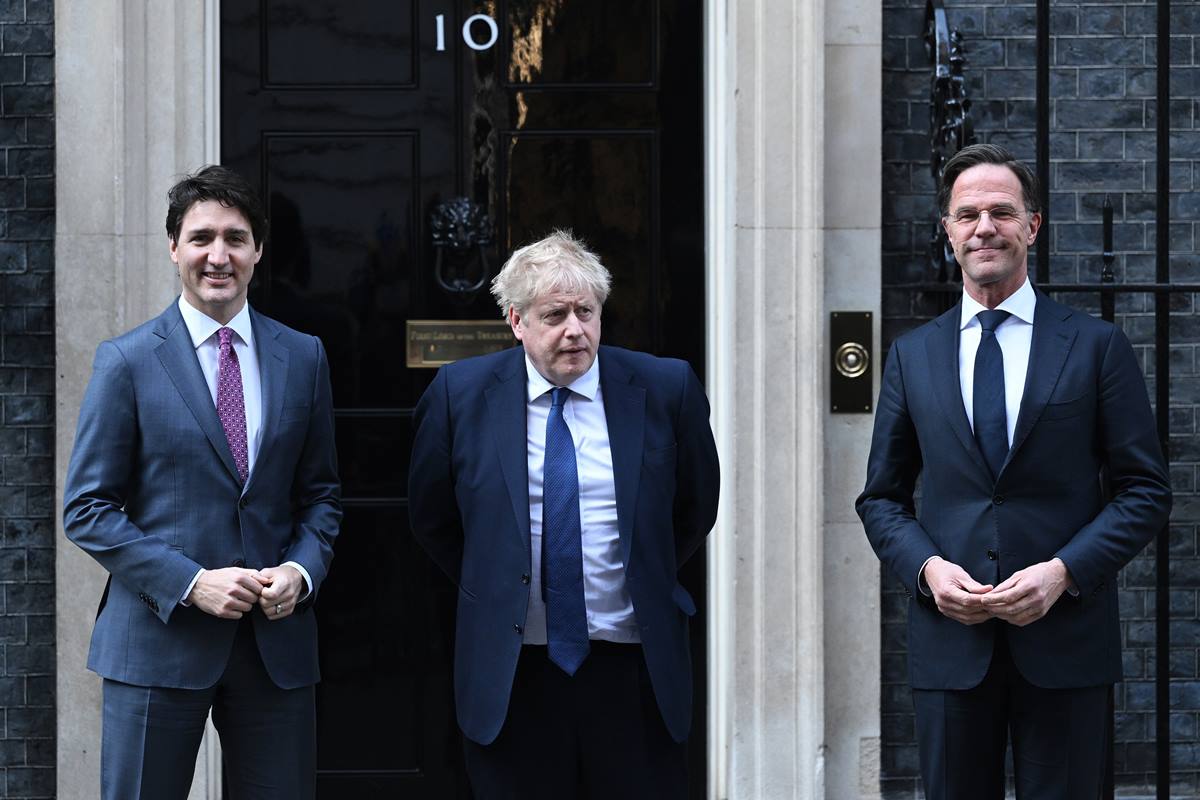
x=231, y=407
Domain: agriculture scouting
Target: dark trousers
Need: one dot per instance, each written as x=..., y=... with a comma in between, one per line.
x=595, y=736
x=268, y=735
x=1059, y=738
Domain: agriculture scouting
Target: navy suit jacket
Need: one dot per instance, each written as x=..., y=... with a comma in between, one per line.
x=469, y=503
x=1084, y=411
x=152, y=493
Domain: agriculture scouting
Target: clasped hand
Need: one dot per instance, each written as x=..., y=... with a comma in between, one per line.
x=1024, y=598
x=231, y=592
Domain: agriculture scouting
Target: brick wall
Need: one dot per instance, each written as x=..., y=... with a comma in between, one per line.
x=1102, y=141
x=27, y=724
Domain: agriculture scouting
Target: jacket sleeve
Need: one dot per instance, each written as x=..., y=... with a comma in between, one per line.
x=1141, y=492
x=316, y=488
x=886, y=504
x=432, y=506
x=697, y=470
x=99, y=478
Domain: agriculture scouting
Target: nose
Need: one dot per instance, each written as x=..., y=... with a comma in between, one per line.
x=573, y=327
x=218, y=254
x=985, y=224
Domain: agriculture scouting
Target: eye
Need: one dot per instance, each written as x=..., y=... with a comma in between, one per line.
x=1003, y=214
x=966, y=215
x=583, y=313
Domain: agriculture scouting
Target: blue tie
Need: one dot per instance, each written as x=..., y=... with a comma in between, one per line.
x=991, y=422
x=562, y=544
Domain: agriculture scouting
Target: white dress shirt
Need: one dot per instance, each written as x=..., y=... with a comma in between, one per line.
x=609, y=609
x=1015, y=336
x=203, y=331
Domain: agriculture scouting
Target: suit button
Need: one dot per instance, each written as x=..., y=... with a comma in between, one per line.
x=243, y=502
x=998, y=500
x=992, y=555
x=525, y=579
x=239, y=563
x=519, y=630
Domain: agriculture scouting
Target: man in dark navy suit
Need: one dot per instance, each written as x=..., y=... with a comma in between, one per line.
x=1009, y=408
x=561, y=485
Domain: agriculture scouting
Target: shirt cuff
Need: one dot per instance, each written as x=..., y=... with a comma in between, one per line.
x=188, y=591
x=303, y=574
x=922, y=585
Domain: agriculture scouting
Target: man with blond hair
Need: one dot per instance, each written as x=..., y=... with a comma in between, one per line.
x=561, y=485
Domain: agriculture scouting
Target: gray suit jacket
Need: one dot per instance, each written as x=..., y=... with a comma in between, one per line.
x=152, y=494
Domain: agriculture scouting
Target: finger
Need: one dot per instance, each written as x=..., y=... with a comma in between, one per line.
x=973, y=586
x=1008, y=596
x=246, y=581
x=1012, y=581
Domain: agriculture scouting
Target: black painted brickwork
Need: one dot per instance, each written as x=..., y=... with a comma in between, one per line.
x=1102, y=141
x=27, y=719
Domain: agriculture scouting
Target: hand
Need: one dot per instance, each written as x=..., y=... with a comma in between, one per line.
x=284, y=587
x=957, y=595
x=1028, y=593
x=227, y=593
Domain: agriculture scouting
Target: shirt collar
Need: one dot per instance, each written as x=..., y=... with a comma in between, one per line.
x=586, y=384
x=1020, y=304
x=201, y=326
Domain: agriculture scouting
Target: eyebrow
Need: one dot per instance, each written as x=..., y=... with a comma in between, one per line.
x=211, y=231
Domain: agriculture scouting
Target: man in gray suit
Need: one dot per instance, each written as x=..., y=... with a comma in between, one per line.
x=204, y=480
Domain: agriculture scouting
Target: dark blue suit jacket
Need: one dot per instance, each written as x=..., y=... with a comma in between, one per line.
x=469, y=503
x=152, y=493
x=1084, y=410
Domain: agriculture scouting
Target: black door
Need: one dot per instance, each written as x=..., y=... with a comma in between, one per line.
x=358, y=118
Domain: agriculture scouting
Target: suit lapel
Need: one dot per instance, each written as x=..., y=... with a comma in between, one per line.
x=942, y=349
x=1053, y=336
x=625, y=413
x=506, y=400
x=178, y=357
x=272, y=369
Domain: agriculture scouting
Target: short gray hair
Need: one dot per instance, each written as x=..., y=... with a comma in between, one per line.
x=559, y=262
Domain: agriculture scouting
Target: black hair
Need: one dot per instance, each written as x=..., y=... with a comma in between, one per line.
x=975, y=154
x=223, y=185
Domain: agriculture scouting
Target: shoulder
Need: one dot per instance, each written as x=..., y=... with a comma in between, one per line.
x=1088, y=326
x=642, y=363
x=471, y=377
x=943, y=324
x=137, y=342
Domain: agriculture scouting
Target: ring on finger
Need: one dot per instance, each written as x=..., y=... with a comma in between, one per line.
x=278, y=608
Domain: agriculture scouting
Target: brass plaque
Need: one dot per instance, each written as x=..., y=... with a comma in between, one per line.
x=434, y=342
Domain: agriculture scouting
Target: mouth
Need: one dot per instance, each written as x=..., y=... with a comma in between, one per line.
x=218, y=278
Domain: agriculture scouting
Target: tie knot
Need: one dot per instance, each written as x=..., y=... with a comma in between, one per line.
x=226, y=335
x=990, y=320
x=558, y=396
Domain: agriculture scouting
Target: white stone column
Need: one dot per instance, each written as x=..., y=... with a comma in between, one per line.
x=129, y=98
x=853, y=275
x=793, y=168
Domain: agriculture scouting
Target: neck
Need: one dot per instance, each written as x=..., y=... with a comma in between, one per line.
x=992, y=294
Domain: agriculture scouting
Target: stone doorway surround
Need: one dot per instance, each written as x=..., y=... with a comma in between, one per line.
x=793, y=125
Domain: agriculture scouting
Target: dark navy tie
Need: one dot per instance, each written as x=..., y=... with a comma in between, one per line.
x=991, y=422
x=562, y=544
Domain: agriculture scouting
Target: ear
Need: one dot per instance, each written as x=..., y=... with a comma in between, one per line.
x=946, y=227
x=1035, y=224
x=514, y=322
x=258, y=251
x=174, y=248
